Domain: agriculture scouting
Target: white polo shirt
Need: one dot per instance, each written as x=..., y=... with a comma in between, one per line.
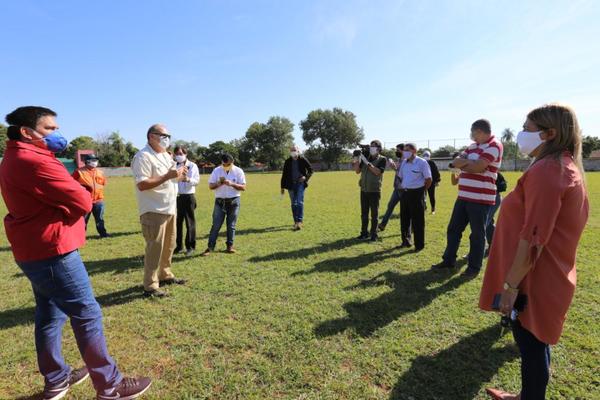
x=235, y=175
x=161, y=199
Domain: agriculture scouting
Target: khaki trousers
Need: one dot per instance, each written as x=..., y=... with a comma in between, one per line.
x=159, y=233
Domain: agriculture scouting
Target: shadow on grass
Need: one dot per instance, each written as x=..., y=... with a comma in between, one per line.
x=23, y=316
x=344, y=264
x=456, y=372
x=305, y=252
x=250, y=231
x=115, y=235
x=409, y=293
x=5, y=248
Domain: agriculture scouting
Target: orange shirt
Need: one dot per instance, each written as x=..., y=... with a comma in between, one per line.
x=92, y=180
x=548, y=208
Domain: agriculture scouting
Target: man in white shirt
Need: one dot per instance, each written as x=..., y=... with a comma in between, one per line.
x=186, y=201
x=228, y=181
x=415, y=176
x=156, y=178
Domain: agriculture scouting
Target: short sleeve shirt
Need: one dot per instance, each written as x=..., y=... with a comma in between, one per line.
x=161, y=199
x=481, y=187
x=235, y=175
x=414, y=173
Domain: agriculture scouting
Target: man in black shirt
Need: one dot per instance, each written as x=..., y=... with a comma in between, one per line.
x=296, y=173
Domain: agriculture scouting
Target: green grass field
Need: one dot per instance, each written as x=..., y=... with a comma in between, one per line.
x=302, y=315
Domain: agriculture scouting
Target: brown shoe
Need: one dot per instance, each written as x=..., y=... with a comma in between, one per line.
x=128, y=388
x=230, y=250
x=206, y=252
x=300, y=226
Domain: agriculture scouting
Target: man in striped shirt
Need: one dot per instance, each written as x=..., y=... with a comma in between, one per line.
x=479, y=165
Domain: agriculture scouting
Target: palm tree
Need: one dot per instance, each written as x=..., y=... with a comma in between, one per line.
x=508, y=135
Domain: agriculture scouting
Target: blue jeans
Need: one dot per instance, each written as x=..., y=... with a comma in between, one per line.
x=535, y=363
x=62, y=289
x=490, y=227
x=467, y=213
x=224, y=209
x=297, y=199
x=392, y=203
x=98, y=211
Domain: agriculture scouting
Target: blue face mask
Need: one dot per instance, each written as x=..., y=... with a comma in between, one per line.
x=55, y=142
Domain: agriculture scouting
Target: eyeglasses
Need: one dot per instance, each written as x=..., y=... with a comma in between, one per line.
x=162, y=135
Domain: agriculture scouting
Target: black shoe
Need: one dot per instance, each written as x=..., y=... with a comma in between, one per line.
x=418, y=249
x=172, y=281
x=405, y=245
x=177, y=250
x=105, y=235
x=381, y=227
x=128, y=388
x=470, y=273
x=374, y=238
x=155, y=293
x=363, y=236
x=442, y=266
x=58, y=391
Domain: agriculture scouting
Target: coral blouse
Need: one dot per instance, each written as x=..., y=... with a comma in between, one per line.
x=548, y=208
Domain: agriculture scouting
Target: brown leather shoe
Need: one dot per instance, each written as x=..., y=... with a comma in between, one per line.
x=497, y=394
x=230, y=250
x=206, y=252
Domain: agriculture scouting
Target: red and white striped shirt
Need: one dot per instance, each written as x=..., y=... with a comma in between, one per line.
x=481, y=187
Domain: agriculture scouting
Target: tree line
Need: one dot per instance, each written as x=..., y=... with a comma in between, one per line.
x=328, y=134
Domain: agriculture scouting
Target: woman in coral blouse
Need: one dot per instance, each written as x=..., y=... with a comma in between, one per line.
x=534, y=247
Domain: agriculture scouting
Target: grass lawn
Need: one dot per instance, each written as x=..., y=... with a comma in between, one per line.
x=302, y=315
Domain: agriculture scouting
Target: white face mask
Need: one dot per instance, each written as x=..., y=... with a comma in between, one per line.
x=528, y=141
x=374, y=150
x=92, y=164
x=426, y=156
x=294, y=154
x=180, y=158
x=164, y=142
x=406, y=155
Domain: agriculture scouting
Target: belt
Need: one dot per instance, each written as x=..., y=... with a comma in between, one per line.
x=412, y=190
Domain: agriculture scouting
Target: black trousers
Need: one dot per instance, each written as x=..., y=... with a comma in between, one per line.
x=431, y=192
x=369, y=201
x=412, y=214
x=186, y=204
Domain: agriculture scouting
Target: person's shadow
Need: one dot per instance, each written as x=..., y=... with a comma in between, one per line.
x=23, y=316
x=410, y=292
x=344, y=264
x=457, y=372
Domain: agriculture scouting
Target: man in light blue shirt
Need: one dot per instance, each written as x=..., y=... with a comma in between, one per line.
x=415, y=175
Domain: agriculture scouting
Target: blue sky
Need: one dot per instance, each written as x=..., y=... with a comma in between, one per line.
x=409, y=70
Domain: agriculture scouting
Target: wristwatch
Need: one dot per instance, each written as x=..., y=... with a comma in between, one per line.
x=508, y=287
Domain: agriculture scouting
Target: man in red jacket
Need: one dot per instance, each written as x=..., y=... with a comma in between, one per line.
x=45, y=228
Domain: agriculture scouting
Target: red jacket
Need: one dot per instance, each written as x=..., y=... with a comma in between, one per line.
x=45, y=204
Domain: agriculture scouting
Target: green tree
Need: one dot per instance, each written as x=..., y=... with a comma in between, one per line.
x=80, y=143
x=444, y=152
x=335, y=130
x=507, y=135
x=589, y=144
x=216, y=149
x=114, y=152
x=245, y=151
x=3, y=139
x=269, y=143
